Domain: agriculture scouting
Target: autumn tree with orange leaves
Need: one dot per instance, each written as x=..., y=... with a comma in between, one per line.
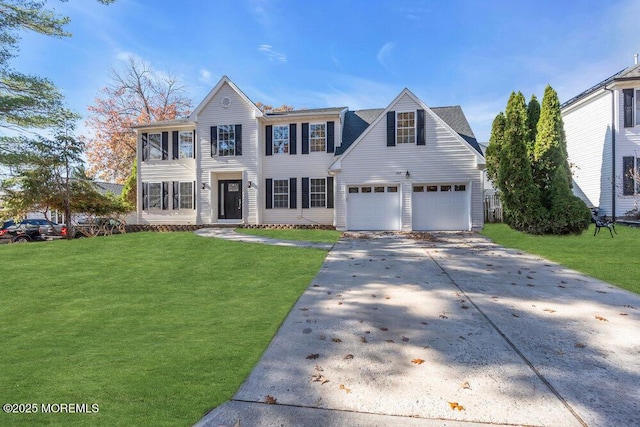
x=136, y=95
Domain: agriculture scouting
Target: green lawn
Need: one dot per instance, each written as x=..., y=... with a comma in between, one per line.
x=155, y=328
x=323, y=236
x=611, y=260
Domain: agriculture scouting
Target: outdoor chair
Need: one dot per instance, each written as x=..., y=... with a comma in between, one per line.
x=603, y=222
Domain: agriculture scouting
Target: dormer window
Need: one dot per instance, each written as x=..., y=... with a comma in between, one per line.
x=631, y=107
x=406, y=127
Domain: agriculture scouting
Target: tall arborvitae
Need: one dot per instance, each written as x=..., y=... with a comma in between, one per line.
x=533, y=115
x=492, y=155
x=568, y=213
x=520, y=196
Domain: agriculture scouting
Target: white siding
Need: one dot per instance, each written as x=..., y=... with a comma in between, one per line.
x=164, y=171
x=238, y=113
x=312, y=165
x=588, y=132
x=443, y=159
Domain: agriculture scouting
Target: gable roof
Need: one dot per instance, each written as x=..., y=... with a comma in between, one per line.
x=224, y=80
x=629, y=73
x=356, y=122
x=457, y=119
x=108, y=187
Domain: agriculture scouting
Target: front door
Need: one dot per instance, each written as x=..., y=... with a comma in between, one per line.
x=230, y=199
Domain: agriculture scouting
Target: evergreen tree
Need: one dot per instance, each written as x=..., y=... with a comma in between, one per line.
x=129, y=192
x=492, y=155
x=533, y=115
x=568, y=213
x=519, y=194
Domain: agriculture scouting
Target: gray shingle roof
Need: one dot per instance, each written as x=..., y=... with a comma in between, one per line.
x=108, y=187
x=356, y=122
x=332, y=110
x=629, y=73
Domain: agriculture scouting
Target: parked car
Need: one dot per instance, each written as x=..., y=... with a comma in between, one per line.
x=98, y=227
x=5, y=225
x=36, y=229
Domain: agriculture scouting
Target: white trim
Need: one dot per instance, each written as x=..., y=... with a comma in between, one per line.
x=273, y=193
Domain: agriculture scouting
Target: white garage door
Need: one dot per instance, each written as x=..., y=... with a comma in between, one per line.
x=371, y=207
x=441, y=207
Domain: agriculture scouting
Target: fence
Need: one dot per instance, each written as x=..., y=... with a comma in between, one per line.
x=492, y=208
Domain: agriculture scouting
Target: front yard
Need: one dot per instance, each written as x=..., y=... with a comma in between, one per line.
x=156, y=329
x=611, y=260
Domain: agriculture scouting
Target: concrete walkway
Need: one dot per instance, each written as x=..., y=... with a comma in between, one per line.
x=231, y=234
x=453, y=332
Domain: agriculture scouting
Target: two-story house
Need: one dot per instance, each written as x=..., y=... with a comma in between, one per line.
x=602, y=126
x=403, y=167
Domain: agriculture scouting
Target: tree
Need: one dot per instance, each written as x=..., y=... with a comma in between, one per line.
x=130, y=190
x=568, y=213
x=284, y=108
x=136, y=95
x=533, y=115
x=26, y=101
x=494, y=148
x=519, y=195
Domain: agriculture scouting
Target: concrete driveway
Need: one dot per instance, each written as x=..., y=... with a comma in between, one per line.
x=396, y=331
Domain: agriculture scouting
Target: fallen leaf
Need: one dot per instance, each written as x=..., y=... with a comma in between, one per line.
x=387, y=297
x=464, y=307
x=601, y=292
x=367, y=332
x=563, y=281
x=316, y=286
x=423, y=323
x=322, y=337
x=342, y=387
x=463, y=338
x=529, y=277
x=560, y=286
x=623, y=314
x=489, y=265
x=466, y=385
x=319, y=368
x=454, y=406
x=373, y=295
x=363, y=339
x=629, y=306
x=339, y=302
x=328, y=292
x=384, y=329
x=313, y=356
x=336, y=340
x=549, y=310
x=418, y=361
x=514, y=315
x=318, y=378
x=601, y=318
x=270, y=400
x=348, y=357
x=442, y=316
x=580, y=345
x=530, y=285
x=304, y=309
x=405, y=339
x=390, y=341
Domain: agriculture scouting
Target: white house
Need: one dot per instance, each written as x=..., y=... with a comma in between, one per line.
x=404, y=167
x=602, y=126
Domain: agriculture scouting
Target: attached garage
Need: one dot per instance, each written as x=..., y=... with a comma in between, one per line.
x=441, y=207
x=373, y=207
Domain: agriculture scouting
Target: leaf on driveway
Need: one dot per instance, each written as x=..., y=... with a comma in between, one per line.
x=348, y=357
x=347, y=390
x=384, y=329
x=464, y=307
x=363, y=339
x=549, y=310
x=514, y=315
x=623, y=314
x=443, y=316
x=304, y=309
x=270, y=400
x=390, y=341
x=580, y=345
x=466, y=385
x=322, y=337
x=319, y=378
x=455, y=405
x=313, y=356
x=405, y=339
x=336, y=340
x=418, y=361
x=601, y=292
x=601, y=318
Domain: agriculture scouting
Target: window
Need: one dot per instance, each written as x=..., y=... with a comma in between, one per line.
x=317, y=137
x=353, y=190
x=154, y=141
x=378, y=189
x=280, y=193
x=280, y=139
x=186, y=195
x=406, y=127
x=366, y=189
x=393, y=189
x=630, y=175
x=631, y=107
x=154, y=195
x=185, y=145
x=460, y=187
x=318, y=192
x=226, y=140
x=445, y=188
x=418, y=188
x=432, y=188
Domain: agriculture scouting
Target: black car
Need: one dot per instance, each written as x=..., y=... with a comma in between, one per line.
x=5, y=225
x=36, y=229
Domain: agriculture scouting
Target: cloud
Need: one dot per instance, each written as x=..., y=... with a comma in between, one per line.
x=205, y=75
x=271, y=54
x=384, y=53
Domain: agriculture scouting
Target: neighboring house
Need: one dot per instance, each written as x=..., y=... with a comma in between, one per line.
x=404, y=167
x=602, y=126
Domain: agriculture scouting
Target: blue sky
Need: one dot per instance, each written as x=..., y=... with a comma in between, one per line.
x=356, y=53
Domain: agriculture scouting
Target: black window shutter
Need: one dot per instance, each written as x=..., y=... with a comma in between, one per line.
x=238, y=140
x=176, y=195
x=329, y=192
x=305, y=138
x=293, y=138
x=330, y=138
x=420, y=129
x=165, y=145
x=214, y=141
x=174, y=147
x=193, y=203
x=194, y=144
x=145, y=147
x=268, y=140
x=145, y=200
x=293, y=195
x=628, y=107
x=269, y=193
x=627, y=176
x=391, y=129
x=165, y=195
x=305, y=193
